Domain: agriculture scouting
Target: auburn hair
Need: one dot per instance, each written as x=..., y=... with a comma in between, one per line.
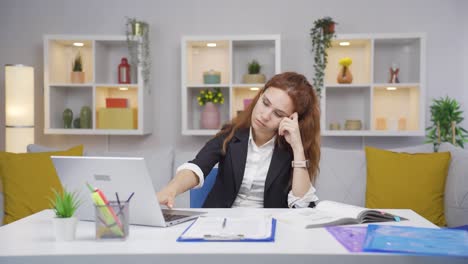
x=306, y=104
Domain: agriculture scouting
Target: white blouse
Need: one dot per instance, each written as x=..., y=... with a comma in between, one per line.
x=253, y=184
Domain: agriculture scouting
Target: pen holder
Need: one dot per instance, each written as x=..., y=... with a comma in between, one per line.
x=112, y=220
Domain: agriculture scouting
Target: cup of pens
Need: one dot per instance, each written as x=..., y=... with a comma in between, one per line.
x=112, y=220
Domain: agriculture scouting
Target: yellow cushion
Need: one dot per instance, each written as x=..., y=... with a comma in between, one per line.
x=28, y=179
x=413, y=181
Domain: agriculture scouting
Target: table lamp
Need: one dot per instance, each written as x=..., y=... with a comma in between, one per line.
x=19, y=104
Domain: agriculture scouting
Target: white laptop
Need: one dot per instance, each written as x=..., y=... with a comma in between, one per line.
x=117, y=174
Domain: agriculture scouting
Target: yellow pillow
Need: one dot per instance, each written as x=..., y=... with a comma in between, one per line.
x=412, y=181
x=28, y=179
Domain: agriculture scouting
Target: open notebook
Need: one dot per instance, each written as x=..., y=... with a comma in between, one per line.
x=330, y=213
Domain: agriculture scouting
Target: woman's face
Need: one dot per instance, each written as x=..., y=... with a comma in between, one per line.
x=272, y=106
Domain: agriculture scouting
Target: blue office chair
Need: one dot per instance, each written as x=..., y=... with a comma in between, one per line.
x=198, y=196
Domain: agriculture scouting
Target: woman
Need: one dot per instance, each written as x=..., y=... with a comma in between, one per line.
x=267, y=157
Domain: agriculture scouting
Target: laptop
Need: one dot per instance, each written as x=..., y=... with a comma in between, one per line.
x=123, y=175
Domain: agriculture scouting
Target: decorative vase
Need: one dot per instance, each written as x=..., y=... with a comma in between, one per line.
x=77, y=77
x=85, y=117
x=210, y=116
x=67, y=117
x=211, y=77
x=254, y=78
x=65, y=228
x=344, y=76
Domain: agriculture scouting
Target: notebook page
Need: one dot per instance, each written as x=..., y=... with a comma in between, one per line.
x=345, y=210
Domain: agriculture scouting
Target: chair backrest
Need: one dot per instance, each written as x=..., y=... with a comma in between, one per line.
x=198, y=196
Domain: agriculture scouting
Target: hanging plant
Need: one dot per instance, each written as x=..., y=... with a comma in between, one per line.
x=322, y=33
x=446, y=117
x=137, y=33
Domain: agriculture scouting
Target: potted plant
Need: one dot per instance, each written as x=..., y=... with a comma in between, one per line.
x=446, y=117
x=65, y=205
x=77, y=74
x=210, y=116
x=322, y=33
x=254, y=75
x=137, y=33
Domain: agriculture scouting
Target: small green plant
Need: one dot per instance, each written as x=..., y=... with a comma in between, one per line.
x=214, y=96
x=254, y=67
x=77, y=63
x=65, y=203
x=446, y=117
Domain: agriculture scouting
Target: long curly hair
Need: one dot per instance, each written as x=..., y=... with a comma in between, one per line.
x=306, y=104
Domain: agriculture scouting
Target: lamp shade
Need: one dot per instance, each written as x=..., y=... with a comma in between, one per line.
x=19, y=107
x=19, y=95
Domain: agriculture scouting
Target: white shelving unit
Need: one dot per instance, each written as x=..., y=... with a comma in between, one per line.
x=101, y=56
x=230, y=57
x=385, y=109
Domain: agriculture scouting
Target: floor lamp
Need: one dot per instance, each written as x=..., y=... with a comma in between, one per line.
x=19, y=103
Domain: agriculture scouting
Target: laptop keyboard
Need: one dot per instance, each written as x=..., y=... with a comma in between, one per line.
x=172, y=217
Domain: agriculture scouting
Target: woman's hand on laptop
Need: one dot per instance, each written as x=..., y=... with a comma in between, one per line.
x=166, y=197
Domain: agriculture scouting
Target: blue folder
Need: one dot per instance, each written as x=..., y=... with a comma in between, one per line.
x=271, y=238
x=416, y=240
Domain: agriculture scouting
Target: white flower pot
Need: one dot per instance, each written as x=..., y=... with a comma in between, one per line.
x=65, y=228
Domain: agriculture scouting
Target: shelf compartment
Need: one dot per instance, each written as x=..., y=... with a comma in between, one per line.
x=108, y=57
x=195, y=110
x=129, y=92
x=405, y=52
x=244, y=51
x=240, y=95
x=73, y=97
x=359, y=51
x=396, y=110
x=346, y=103
x=61, y=55
x=201, y=58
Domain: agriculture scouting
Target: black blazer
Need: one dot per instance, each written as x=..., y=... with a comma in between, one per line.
x=231, y=171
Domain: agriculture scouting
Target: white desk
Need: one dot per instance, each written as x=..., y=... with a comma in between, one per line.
x=31, y=240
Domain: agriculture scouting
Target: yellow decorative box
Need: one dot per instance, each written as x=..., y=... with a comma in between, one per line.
x=117, y=118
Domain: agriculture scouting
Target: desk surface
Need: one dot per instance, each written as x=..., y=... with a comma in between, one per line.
x=31, y=240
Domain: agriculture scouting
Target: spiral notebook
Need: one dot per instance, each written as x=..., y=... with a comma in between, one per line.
x=233, y=229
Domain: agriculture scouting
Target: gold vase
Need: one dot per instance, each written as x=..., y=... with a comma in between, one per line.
x=344, y=76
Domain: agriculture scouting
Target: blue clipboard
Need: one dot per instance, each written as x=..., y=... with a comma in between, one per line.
x=271, y=238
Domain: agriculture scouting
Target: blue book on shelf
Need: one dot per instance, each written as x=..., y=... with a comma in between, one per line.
x=416, y=240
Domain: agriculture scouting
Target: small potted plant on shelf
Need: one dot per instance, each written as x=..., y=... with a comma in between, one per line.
x=77, y=74
x=210, y=116
x=254, y=75
x=321, y=33
x=446, y=117
x=65, y=205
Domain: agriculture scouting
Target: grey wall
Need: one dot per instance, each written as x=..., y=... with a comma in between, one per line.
x=23, y=23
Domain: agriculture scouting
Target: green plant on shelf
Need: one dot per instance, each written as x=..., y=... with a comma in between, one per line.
x=215, y=96
x=77, y=64
x=254, y=67
x=64, y=203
